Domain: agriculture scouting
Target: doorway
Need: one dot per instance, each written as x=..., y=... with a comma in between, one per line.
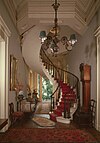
x=4, y=34
x=97, y=34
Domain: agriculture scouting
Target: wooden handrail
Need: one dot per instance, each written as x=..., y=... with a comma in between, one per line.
x=56, y=74
x=73, y=75
x=52, y=65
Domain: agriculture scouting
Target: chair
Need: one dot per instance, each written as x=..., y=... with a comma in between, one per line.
x=14, y=116
x=92, y=110
x=86, y=119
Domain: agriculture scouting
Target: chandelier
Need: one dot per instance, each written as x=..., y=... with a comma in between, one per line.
x=51, y=40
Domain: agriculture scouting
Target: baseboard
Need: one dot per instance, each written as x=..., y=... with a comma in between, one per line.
x=98, y=127
x=4, y=129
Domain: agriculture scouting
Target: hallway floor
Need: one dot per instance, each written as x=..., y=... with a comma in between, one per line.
x=28, y=123
x=42, y=110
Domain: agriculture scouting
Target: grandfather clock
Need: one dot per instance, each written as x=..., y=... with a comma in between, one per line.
x=85, y=75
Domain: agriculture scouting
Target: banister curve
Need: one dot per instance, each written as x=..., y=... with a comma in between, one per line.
x=46, y=60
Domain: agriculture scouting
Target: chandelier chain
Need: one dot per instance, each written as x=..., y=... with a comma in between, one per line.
x=56, y=6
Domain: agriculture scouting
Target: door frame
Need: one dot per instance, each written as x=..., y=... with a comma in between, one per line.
x=4, y=39
x=97, y=35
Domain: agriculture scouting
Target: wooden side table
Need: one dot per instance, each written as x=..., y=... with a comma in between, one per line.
x=26, y=106
x=3, y=123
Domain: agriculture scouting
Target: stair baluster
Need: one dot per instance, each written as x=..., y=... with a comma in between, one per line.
x=65, y=111
x=53, y=102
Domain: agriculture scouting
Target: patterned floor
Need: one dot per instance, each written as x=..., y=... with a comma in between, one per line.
x=28, y=123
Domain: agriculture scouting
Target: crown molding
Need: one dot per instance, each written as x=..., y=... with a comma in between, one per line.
x=87, y=9
x=97, y=32
x=11, y=9
x=92, y=10
x=4, y=28
x=22, y=10
x=34, y=11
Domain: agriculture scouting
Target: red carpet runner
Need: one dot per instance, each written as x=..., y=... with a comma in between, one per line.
x=70, y=95
x=43, y=135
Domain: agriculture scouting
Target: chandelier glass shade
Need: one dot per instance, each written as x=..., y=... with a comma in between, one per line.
x=51, y=40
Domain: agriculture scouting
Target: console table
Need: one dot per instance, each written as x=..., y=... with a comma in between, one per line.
x=26, y=106
x=3, y=123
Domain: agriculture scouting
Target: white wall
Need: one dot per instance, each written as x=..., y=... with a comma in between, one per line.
x=85, y=52
x=14, y=49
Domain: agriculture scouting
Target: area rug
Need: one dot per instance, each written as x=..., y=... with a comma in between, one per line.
x=43, y=122
x=46, y=135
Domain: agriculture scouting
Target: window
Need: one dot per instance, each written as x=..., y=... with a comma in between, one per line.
x=47, y=89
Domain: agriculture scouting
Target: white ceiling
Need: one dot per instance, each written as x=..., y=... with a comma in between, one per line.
x=76, y=14
x=73, y=15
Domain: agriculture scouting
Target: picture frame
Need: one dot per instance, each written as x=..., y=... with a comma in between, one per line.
x=13, y=72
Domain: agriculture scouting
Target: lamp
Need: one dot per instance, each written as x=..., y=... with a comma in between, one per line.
x=51, y=41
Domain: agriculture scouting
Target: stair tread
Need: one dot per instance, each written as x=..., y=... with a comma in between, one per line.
x=53, y=114
x=69, y=98
x=53, y=117
x=58, y=112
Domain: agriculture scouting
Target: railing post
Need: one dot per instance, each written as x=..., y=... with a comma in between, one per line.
x=59, y=93
x=51, y=103
x=65, y=111
x=68, y=112
x=78, y=93
x=66, y=108
x=53, y=71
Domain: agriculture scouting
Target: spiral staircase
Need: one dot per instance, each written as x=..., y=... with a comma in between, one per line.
x=65, y=98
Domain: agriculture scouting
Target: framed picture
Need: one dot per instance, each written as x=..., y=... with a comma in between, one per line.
x=13, y=72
